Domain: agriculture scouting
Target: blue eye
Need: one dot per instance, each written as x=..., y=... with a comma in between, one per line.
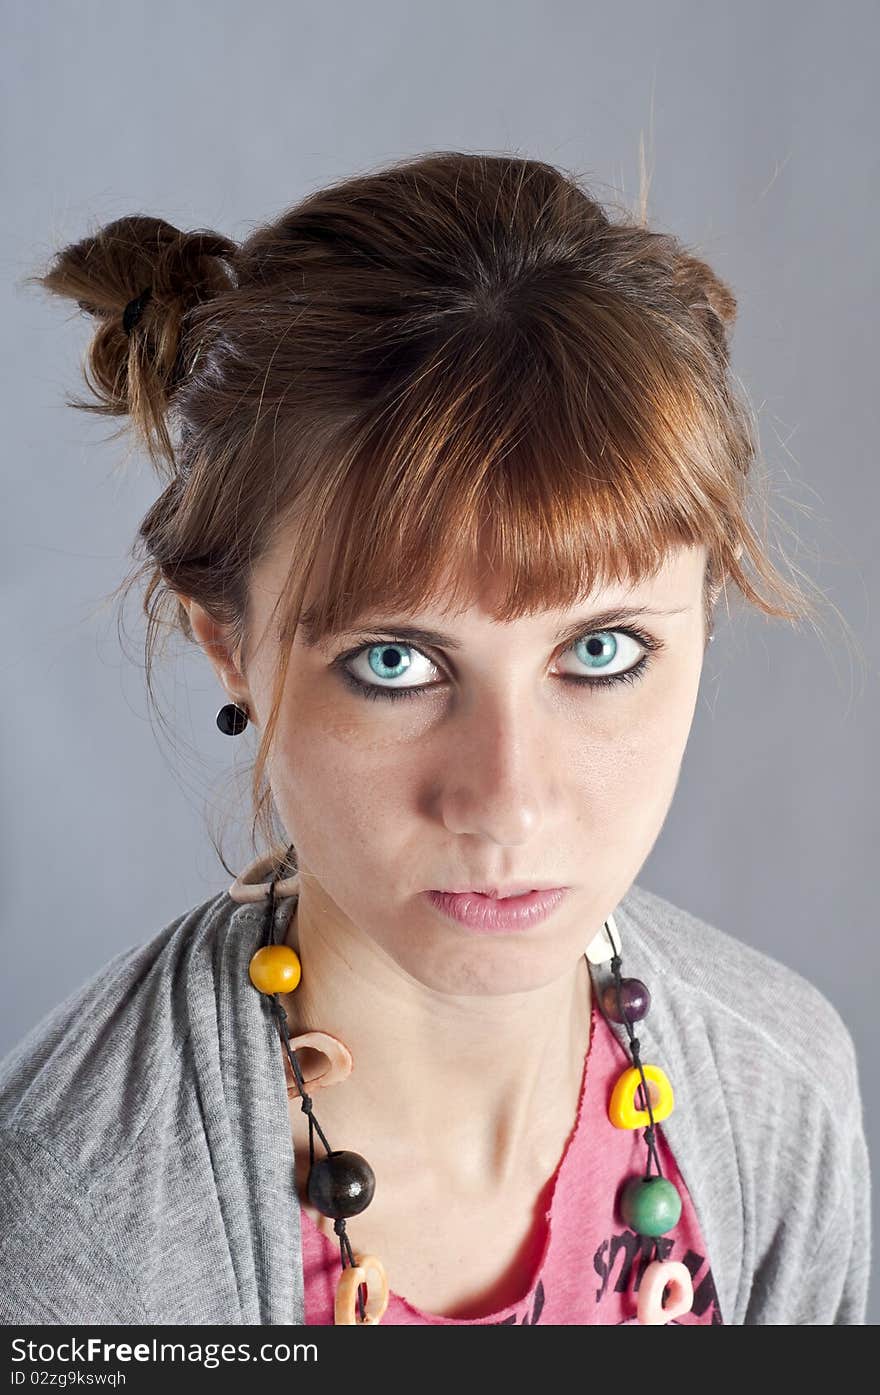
x=596, y=650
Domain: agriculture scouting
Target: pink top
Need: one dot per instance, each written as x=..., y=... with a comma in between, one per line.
x=587, y=1265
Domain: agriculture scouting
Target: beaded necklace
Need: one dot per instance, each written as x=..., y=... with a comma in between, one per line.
x=341, y=1184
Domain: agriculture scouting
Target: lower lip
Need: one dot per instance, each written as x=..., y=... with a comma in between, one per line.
x=488, y=915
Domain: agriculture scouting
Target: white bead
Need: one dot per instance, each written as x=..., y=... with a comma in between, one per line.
x=247, y=888
x=601, y=948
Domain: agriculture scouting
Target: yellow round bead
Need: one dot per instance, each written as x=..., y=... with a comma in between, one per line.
x=275, y=969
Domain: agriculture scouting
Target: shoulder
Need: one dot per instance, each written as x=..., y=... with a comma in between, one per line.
x=132, y=1127
x=769, y=1119
x=79, y=1097
x=751, y=1011
x=84, y=1080
x=768, y=1124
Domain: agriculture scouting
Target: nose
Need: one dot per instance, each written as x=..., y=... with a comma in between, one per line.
x=498, y=777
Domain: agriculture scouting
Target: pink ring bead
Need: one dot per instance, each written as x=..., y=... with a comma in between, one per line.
x=657, y=1275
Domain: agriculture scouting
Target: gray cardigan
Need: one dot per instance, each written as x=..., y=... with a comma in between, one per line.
x=146, y=1159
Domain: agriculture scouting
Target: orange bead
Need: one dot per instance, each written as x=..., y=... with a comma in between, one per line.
x=275, y=969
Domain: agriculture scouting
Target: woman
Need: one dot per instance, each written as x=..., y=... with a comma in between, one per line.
x=454, y=477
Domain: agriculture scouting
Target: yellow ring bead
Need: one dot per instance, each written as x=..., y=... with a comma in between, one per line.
x=621, y=1108
x=275, y=969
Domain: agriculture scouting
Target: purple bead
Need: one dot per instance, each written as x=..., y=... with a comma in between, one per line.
x=634, y=999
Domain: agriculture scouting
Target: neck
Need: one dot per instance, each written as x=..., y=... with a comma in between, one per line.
x=477, y=1091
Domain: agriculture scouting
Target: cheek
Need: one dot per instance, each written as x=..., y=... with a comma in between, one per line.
x=333, y=775
x=629, y=752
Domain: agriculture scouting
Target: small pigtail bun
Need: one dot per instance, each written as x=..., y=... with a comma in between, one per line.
x=139, y=278
x=709, y=298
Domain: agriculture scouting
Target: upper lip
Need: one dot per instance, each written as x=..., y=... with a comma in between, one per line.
x=512, y=889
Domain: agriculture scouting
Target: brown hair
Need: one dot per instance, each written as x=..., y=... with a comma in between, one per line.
x=456, y=363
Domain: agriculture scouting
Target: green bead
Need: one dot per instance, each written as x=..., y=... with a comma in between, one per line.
x=650, y=1206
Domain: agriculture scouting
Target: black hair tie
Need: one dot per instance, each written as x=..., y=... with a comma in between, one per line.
x=134, y=309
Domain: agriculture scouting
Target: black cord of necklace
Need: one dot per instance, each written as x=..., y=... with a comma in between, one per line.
x=345, y=1250
x=635, y=1049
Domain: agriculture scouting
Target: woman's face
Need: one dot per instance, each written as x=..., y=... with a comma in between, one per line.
x=503, y=768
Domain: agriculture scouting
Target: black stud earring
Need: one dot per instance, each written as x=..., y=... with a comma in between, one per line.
x=232, y=719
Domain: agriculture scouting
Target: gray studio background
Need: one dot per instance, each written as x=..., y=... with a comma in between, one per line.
x=760, y=126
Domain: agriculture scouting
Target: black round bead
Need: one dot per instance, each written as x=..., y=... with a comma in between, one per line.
x=634, y=999
x=232, y=719
x=341, y=1184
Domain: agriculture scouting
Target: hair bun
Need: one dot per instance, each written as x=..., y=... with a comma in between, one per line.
x=139, y=278
x=709, y=298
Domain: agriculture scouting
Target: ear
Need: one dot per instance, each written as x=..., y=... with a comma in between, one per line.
x=213, y=639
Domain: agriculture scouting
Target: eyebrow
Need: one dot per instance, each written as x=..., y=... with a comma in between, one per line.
x=436, y=639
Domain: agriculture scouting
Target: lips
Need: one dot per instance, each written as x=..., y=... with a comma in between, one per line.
x=492, y=914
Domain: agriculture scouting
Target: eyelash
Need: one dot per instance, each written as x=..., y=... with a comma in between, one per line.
x=373, y=690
